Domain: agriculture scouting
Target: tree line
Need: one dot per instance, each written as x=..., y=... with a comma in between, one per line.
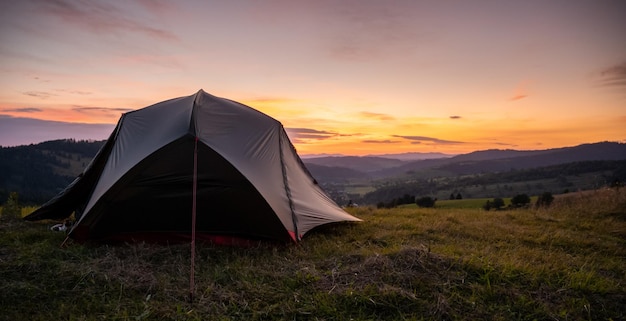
x=386, y=192
x=30, y=171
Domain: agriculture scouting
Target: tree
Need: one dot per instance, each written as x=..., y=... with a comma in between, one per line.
x=458, y=196
x=12, y=208
x=497, y=203
x=452, y=196
x=544, y=200
x=487, y=205
x=426, y=201
x=520, y=200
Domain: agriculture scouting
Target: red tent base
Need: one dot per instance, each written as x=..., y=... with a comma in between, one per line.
x=181, y=238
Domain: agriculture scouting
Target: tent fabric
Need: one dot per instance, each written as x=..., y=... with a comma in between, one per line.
x=250, y=181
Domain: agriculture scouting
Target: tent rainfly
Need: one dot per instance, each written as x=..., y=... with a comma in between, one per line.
x=198, y=165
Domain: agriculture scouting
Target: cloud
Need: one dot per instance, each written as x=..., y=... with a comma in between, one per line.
x=455, y=117
x=517, y=97
x=374, y=141
x=363, y=31
x=99, y=112
x=300, y=134
x=164, y=61
x=269, y=100
x=521, y=91
x=377, y=116
x=39, y=94
x=422, y=139
x=99, y=109
x=504, y=144
x=23, y=110
x=75, y=92
x=16, y=131
x=41, y=80
x=102, y=18
x=614, y=76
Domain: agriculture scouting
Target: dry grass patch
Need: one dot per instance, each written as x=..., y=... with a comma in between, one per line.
x=567, y=262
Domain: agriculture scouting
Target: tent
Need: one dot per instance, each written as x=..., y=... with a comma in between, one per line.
x=194, y=166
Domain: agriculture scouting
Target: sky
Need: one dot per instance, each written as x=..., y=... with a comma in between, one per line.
x=352, y=77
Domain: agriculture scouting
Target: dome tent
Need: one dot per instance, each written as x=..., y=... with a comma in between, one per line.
x=199, y=165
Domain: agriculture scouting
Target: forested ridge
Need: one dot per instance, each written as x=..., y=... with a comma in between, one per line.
x=555, y=179
x=39, y=171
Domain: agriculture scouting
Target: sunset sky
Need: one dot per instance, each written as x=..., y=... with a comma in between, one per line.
x=350, y=77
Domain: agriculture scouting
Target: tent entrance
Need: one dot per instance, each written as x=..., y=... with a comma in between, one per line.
x=156, y=197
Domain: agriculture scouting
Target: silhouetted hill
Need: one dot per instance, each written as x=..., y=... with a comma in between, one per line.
x=556, y=179
x=413, y=156
x=329, y=174
x=363, y=164
x=490, y=161
x=587, y=152
x=39, y=171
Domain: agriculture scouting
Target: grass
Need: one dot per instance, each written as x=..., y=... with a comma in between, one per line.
x=567, y=262
x=464, y=203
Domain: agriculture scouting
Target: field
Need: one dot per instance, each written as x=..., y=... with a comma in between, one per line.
x=567, y=262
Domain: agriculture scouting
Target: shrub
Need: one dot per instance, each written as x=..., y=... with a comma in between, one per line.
x=544, y=200
x=520, y=200
x=426, y=201
x=12, y=209
x=406, y=199
x=497, y=203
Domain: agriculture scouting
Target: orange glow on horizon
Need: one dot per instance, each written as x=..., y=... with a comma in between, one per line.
x=367, y=133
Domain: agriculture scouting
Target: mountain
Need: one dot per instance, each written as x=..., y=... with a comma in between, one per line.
x=525, y=160
x=414, y=156
x=562, y=178
x=358, y=163
x=16, y=131
x=39, y=171
x=401, y=156
x=490, y=161
x=329, y=174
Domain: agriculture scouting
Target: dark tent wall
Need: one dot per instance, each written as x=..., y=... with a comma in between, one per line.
x=155, y=197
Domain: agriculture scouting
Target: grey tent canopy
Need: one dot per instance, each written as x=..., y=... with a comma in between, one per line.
x=229, y=163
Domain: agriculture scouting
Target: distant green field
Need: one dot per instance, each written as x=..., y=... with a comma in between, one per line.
x=466, y=203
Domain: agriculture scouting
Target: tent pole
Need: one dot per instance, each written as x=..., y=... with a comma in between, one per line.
x=192, y=282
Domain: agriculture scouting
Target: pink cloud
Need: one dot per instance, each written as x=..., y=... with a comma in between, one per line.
x=518, y=97
x=101, y=17
x=377, y=116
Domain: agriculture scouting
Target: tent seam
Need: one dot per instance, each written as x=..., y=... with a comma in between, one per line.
x=287, y=189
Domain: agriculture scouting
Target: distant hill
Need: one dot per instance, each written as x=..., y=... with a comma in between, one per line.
x=556, y=179
x=497, y=170
x=39, y=171
x=490, y=161
x=587, y=152
x=328, y=174
x=413, y=156
x=358, y=163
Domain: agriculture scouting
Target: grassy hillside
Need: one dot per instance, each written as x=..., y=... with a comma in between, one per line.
x=567, y=262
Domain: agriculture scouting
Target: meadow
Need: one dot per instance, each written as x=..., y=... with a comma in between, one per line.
x=565, y=262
